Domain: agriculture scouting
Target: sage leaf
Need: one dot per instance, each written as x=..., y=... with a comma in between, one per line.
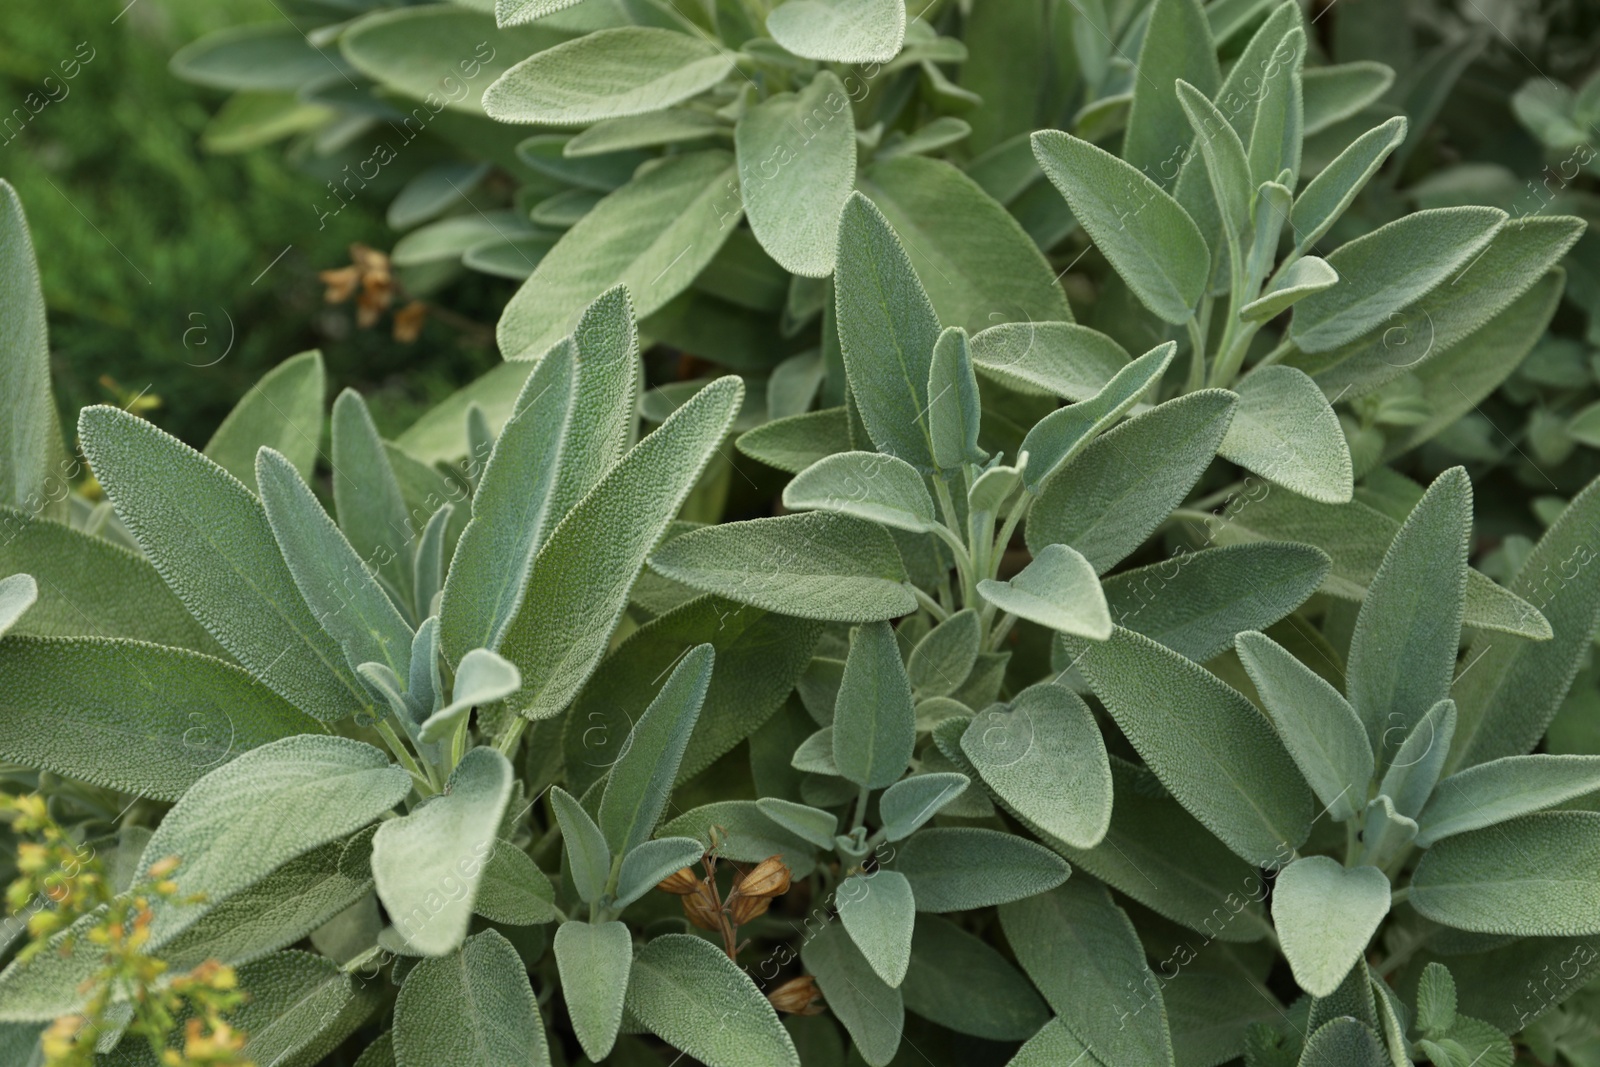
x=560, y=633
x=961, y=868
x=301, y=1008
x=427, y=864
x=513, y=890
x=943, y=659
x=588, y=855
x=793, y=188
x=743, y=834
x=641, y=780
x=887, y=330
x=1319, y=728
x=1298, y=281
x=1343, y=1042
x=961, y=982
x=954, y=411
x=1416, y=766
x=866, y=485
x=482, y=677
x=1388, y=269
x=594, y=960
x=795, y=442
x=1178, y=44
x=256, y=812
x=1215, y=752
x=18, y=593
x=629, y=70
x=1127, y=481
x=1051, y=358
x=874, y=721
x=878, y=913
x=1337, y=91
x=368, y=499
x=814, y=565
x=1502, y=789
x=1059, y=590
x=175, y=715
x=1403, y=651
x=474, y=1007
x=872, y=1011
x=1285, y=430
x=1532, y=876
x=1151, y=241
x=282, y=411
x=679, y=982
x=1085, y=958
x=911, y=802
x=1227, y=166
x=1326, y=196
x=1060, y=436
x=1325, y=914
x=211, y=541
x=813, y=824
x=1042, y=755
x=347, y=600
x=840, y=31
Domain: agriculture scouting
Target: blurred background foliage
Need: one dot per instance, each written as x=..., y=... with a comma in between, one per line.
x=152, y=249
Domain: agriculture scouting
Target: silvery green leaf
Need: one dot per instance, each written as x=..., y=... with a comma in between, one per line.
x=1302, y=278
x=1343, y=1042
x=341, y=592
x=654, y=235
x=513, y=890
x=34, y=470
x=1151, y=241
x=474, y=1007
x=1084, y=956
x=1055, y=440
x=1319, y=728
x=866, y=485
x=1127, y=482
x=367, y=497
x=517, y=12
x=815, y=754
x=642, y=777
x=961, y=868
x=1059, y=590
x=1208, y=745
x=211, y=540
x=427, y=864
x=872, y=1011
x=943, y=659
x=813, y=565
x=961, y=982
x=953, y=403
x=874, y=721
x=887, y=330
x=264, y=808
x=1051, y=358
x=641, y=131
x=74, y=568
x=1532, y=876
x=283, y=410
x=1278, y=128
x=794, y=185
x=911, y=802
x=795, y=442
x=1177, y=44
x=175, y=715
x=840, y=31
x=628, y=70
x=411, y=51
x=428, y=565
x=588, y=855
x=1510, y=694
x=1385, y=834
x=1285, y=430
x=1436, y=998
x=512, y=508
x=1502, y=789
x=482, y=677
x=1052, y=1044
x=1042, y=755
x=302, y=1006
x=1196, y=602
x=594, y=960
x=1271, y=213
x=563, y=628
x=1227, y=166
x=978, y=264
x=741, y=833
x=1403, y=651
x=815, y=825
x=1326, y=196
x=1340, y=90
x=680, y=983
x=878, y=913
x=1385, y=271
x=1416, y=765
x=18, y=593
x=1325, y=914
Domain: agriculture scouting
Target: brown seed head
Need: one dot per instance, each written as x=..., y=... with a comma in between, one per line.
x=742, y=909
x=702, y=910
x=680, y=883
x=798, y=996
x=769, y=878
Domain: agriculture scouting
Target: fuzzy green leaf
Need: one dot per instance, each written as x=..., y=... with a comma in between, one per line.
x=1532, y=876
x=1177, y=45
x=872, y=1012
x=1052, y=358
x=1343, y=1042
x=911, y=802
x=944, y=658
x=594, y=960
x=474, y=1007
x=866, y=485
x=1302, y=278
x=874, y=721
x=1502, y=789
x=840, y=31
x=1325, y=914
x=954, y=411
x=692, y=996
x=1326, y=196
x=282, y=411
x=961, y=868
x=1059, y=590
x=588, y=855
x=961, y=982
x=650, y=862
x=368, y=499
x=1285, y=430
x=878, y=913
x=1059, y=437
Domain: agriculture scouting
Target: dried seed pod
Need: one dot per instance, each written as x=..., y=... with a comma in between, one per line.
x=797, y=996
x=769, y=878
x=742, y=908
x=680, y=883
x=701, y=908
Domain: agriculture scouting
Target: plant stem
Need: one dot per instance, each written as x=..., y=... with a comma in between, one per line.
x=861, y=809
x=425, y=783
x=930, y=605
x=508, y=742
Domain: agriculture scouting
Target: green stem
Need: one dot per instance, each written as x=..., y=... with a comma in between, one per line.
x=425, y=783
x=508, y=743
x=1197, y=357
x=861, y=809
x=1003, y=627
x=931, y=605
